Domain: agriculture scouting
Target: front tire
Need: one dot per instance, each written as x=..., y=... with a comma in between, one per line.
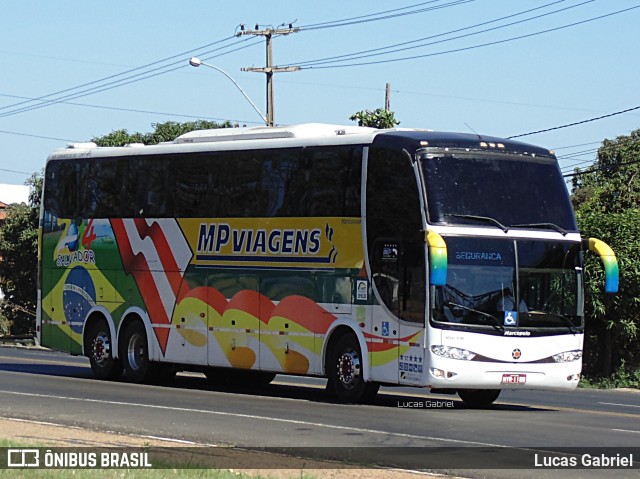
x=345, y=372
x=479, y=398
x=99, y=350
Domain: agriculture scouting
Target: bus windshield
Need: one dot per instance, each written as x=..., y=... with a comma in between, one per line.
x=511, y=284
x=506, y=190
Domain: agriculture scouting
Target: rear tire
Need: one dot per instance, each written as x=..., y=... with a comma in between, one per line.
x=134, y=351
x=479, y=398
x=99, y=350
x=345, y=372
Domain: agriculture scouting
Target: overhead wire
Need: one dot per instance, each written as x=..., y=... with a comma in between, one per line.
x=384, y=15
x=337, y=23
x=116, y=83
x=109, y=77
x=134, y=110
x=576, y=146
x=582, y=122
x=165, y=69
x=473, y=47
x=36, y=136
x=15, y=171
x=599, y=168
x=380, y=50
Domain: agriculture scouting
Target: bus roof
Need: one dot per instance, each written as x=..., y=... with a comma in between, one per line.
x=307, y=130
x=303, y=135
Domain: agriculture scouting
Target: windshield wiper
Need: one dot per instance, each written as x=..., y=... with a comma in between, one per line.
x=496, y=324
x=562, y=318
x=484, y=219
x=552, y=226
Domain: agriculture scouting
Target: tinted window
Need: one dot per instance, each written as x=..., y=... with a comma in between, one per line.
x=511, y=190
x=61, y=189
x=287, y=182
x=104, y=188
x=394, y=233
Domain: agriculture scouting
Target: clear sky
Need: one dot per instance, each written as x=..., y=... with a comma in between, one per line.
x=468, y=71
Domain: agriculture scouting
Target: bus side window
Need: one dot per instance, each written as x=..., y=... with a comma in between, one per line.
x=334, y=176
x=104, y=189
x=386, y=276
x=52, y=187
x=152, y=190
x=62, y=189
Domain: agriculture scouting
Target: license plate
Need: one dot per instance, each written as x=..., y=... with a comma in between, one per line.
x=514, y=378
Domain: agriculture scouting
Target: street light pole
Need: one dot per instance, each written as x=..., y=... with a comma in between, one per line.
x=196, y=62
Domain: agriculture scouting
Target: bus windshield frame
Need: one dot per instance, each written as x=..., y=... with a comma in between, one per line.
x=508, y=190
x=495, y=285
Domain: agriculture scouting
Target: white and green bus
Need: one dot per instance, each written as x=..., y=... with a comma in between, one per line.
x=396, y=257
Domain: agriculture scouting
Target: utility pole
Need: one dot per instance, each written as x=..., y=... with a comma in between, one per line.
x=387, y=97
x=269, y=69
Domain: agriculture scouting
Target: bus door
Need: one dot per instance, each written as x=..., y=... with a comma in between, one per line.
x=398, y=277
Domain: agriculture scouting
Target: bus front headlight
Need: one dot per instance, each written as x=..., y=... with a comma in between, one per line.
x=452, y=353
x=567, y=356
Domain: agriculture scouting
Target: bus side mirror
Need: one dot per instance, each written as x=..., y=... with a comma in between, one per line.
x=437, y=258
x=611, y=271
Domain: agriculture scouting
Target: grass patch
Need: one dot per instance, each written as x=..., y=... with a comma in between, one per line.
x=622, y=378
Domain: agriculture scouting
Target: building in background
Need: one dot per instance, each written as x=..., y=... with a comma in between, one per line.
x=10, y=194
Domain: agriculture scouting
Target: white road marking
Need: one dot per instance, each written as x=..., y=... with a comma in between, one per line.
x=616, y=404
x=255, y=417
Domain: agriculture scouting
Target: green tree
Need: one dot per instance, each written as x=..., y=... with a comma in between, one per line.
x=607, y=201
x=167, y=131
x=379, y=118
x=18, y=264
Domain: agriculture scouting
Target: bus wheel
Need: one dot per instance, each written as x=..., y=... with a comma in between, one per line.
x=478, y=398
x=135, y=353
x=345, y=372
x=99, y=349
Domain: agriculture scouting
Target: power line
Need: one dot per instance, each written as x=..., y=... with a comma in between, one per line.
x=568, y=168
x=374, y=17
x=473, y=47
x=14, y=171
x=575, y=146
x=182, y=54
x=134, y=110
x=577, y=122
x=577, y=160
x=36, y=136
x=600, y=168
x=379, y=51
x=46, y=101
x=113, y=84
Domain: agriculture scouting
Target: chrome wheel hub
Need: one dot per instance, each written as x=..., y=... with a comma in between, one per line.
x=135, y=351
x=348, y=368
x=101, y=348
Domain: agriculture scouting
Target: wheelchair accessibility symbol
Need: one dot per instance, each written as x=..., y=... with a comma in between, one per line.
x=510, y=318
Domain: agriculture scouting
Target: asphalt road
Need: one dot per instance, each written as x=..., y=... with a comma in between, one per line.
x=405, y=427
